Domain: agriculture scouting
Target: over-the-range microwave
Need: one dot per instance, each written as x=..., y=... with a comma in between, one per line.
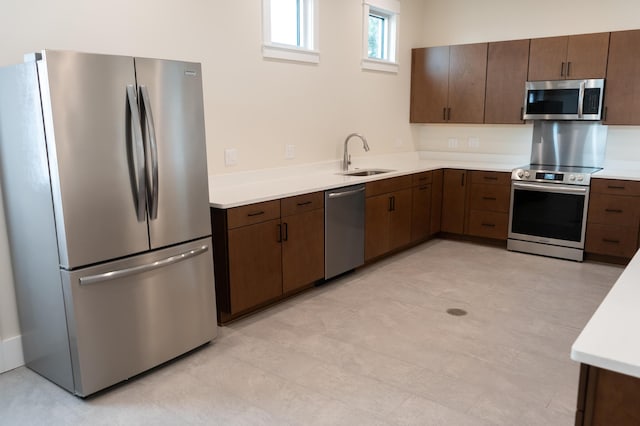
x=564, y=100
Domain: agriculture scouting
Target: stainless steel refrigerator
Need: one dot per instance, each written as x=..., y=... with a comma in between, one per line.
x=104, y=183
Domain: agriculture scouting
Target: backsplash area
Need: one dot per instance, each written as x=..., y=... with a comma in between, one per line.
x=623, y=147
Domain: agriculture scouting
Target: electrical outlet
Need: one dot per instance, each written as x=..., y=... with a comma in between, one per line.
x=289, y=151
x=453, y=143
x=230, y=157
x=474, y=142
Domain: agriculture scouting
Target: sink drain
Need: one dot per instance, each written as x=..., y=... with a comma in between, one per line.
x=456, y=312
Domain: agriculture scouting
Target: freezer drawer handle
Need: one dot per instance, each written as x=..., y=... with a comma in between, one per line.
x=152, y=175
x=139, y=152
x=121, y=273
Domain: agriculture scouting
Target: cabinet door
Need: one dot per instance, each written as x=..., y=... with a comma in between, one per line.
x=255, y=264
x=400, y=219
x=467, y=80
x=547, y=58
x=421, y=212
x=429, y=84
x=587, y=56
x=436, y=201
x=453, y=201
x=377, y=225
x=302, y=249
x=507, y=64
x=622, y=100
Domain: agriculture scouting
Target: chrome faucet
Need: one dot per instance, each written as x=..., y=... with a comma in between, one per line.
x=346, y=160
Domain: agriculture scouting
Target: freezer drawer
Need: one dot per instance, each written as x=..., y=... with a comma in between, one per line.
x=127, y=316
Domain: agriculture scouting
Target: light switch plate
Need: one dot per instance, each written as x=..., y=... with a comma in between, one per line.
x=230, y=157
x=289, y=151
x=474, y=142
x=453, y=143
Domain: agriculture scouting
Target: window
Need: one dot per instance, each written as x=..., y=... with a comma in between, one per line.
x=380, y=35
x=290, y=30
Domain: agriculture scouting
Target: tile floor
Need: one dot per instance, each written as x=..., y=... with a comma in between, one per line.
x=373, y=347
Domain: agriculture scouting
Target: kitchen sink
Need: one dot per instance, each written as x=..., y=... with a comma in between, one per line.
x=366, y=172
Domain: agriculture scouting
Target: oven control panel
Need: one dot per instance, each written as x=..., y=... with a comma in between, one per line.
x=566, y=178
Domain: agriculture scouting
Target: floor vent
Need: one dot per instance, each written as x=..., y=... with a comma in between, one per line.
x=456, y=312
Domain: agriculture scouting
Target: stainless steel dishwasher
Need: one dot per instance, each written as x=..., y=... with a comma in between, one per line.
x=343, y=230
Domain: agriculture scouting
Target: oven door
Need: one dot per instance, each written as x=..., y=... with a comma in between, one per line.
x=548, y=213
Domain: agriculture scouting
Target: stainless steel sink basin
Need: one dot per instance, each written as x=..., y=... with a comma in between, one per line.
x=366, y=172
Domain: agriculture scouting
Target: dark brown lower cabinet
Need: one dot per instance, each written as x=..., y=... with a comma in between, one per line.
x=607, y=398
x=454, y=189
x=302, y=249
x=255, y=264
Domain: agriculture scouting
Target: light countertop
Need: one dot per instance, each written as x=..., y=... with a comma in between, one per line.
x=242, y=188
x=610, y=339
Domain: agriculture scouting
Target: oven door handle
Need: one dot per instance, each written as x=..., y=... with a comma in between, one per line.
x=582, y=190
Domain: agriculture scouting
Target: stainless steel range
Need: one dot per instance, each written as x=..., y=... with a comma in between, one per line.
x=550, y=196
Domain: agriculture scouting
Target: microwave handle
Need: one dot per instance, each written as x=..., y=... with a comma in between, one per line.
x=581, y=99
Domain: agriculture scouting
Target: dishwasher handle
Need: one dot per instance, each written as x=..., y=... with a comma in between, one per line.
x=345, y=193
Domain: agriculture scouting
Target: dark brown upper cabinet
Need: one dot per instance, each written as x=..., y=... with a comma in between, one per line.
x=448, y=84
x=622, y=88
x=569, y=57
x=507, y=64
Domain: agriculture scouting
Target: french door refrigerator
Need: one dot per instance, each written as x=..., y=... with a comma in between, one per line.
x=105, y=193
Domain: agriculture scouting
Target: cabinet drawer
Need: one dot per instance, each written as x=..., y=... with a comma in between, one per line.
x=493, y=198
x=388, y=185
x=423, y=178
x=611, y=240
x=253, y=213
x=302, y=203
x=495, y=178
x=614, y=210
x=615, y=186
x=488, y=224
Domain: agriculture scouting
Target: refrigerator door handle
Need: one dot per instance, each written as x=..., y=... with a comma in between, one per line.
x=138, y=149
x=121, y=273
x=152, y=175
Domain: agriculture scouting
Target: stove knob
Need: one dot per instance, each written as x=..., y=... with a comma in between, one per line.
x=580, y=178
x=572, y=177
x=526, y=175
x=520, y=173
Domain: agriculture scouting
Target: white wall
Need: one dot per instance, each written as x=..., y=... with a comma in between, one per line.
x=461, y=21
x=253, y=105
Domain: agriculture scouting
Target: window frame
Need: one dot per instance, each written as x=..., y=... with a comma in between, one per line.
x=389, y=10
x=309, y=52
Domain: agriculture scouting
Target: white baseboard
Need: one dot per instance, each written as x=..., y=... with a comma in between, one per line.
x=11, y=353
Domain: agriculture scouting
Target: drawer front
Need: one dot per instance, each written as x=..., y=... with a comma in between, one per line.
x=488, y=224
x=614, y=210
x=493, y=198
x=615, y=186
x=611, y=240
x=253, y=213
x=388, y=185
x=423, y=178
x=494, y=178
x=302, y=203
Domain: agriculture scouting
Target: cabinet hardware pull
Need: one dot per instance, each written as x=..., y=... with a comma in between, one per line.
x=489, y=225
x=462, y=179
x=607, y=240
x=286, y=231
x=562, y=69
x=489, y=198
x=393, y=203
x=604, y=116
x=522, y=113
x=390, y=204
x=444, y=114
x=568, y=69
x=423, y=188
x=279, y=233
x=422, y=178
x=491, y=177
x=255, y=213
x=449, y=114
x=615, y=187
x=304, y=203
x=613, y=210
